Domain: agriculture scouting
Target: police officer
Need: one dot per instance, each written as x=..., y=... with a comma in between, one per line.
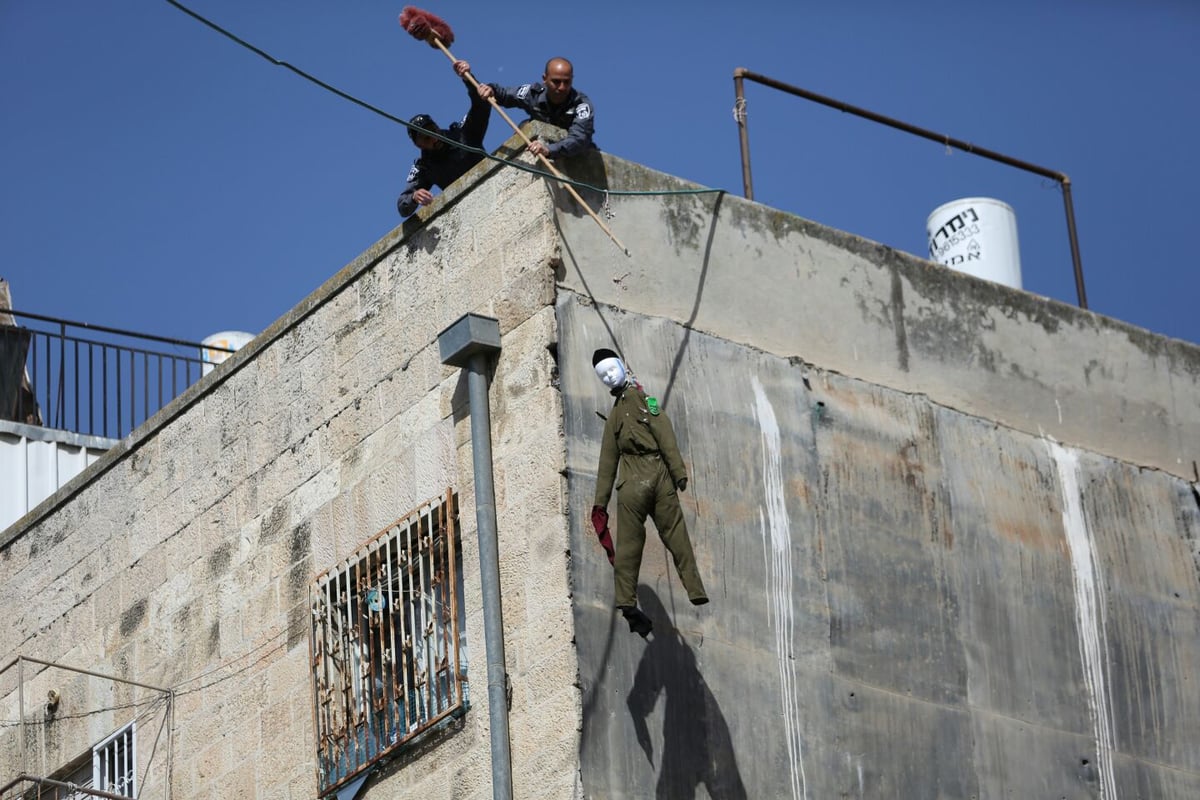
x=639, y=440
x=554, y=100
x=441, y=164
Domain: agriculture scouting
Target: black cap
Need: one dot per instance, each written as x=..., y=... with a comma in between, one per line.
x=422, y=122
x=602, y=354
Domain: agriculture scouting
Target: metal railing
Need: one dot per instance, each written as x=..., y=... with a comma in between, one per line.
x=30, y=787
x=43, y=788
x=91, y=379
x=739, y=112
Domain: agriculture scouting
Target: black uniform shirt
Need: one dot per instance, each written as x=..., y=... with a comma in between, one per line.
x=576, y=114
x=445, y=165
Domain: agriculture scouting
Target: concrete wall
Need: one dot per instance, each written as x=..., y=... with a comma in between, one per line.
x=183, y=559
x=759, y=277
x=942, y=522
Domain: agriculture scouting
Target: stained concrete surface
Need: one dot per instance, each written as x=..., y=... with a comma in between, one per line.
x=899, y=608
x=750, y=274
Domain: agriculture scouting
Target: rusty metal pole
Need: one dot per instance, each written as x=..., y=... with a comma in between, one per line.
x=739, y=114
x=21, y=710
x=1080, y=292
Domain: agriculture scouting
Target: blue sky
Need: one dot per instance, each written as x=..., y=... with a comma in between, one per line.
x=158, y=177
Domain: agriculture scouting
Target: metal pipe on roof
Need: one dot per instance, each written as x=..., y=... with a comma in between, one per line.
x=1079, y=290
x=739, y=115
x=742, y=73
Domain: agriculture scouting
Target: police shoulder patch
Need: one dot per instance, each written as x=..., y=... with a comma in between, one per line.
x=413, y=173
x=523, y=92
x=583, y=111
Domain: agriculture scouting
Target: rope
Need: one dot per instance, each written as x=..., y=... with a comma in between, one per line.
x=739, y=111
x=376, y=110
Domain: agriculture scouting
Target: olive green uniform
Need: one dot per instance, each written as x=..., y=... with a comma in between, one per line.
x=643, y=444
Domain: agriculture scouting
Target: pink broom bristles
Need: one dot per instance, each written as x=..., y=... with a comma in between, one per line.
x=422, y=24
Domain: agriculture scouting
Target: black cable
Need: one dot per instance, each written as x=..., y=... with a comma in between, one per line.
x=279, y=63
x=150, y=708
x=262, y=657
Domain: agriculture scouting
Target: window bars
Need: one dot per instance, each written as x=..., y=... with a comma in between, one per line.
x=108, y=770
x=114, y=763
x=388, y=651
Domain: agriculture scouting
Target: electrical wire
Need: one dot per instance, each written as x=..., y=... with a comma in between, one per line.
x=178, y=690
x=150, y=708
x=376, y=110
x=162, y=725
x=273, y=640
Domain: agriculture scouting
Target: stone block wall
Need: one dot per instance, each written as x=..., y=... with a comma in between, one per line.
x=184, y=558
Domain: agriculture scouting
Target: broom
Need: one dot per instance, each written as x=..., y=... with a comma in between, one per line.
x=434, y=30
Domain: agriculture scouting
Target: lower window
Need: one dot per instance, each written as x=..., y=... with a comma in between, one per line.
x=110, y=766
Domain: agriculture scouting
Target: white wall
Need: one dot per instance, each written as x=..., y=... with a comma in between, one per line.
x=36, y=462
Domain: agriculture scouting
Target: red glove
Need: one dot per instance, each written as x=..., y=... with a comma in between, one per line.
x=600, y=523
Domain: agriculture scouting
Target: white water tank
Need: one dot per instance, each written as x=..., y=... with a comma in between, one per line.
x=978, y=236
x=228, y=340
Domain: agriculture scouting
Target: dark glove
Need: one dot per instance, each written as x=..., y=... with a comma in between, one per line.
x=681, y=484
x=600, y=523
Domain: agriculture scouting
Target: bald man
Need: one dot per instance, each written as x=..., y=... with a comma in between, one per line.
x=554, y=100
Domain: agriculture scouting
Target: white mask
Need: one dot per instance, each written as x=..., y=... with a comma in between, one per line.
x=611, y=372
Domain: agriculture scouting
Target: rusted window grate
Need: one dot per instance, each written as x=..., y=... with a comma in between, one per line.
x=388, y=651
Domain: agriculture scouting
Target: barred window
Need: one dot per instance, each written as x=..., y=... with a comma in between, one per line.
x=113, y=763
x=110, y=766
x=389, y=654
